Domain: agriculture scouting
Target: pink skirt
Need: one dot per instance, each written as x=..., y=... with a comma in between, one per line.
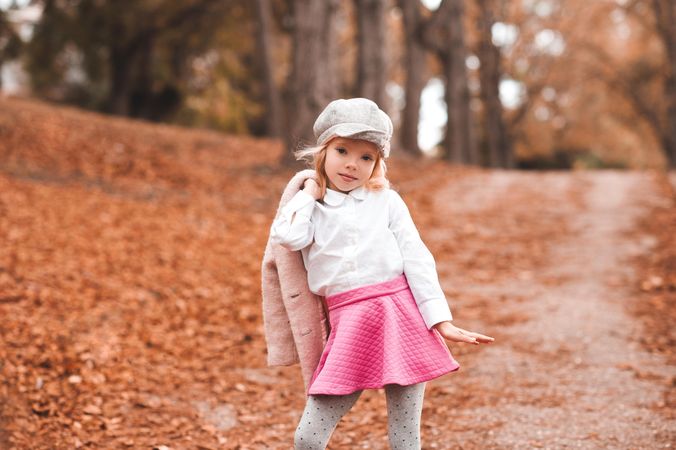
x=378, y=337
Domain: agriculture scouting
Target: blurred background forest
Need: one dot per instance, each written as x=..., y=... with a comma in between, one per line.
x=495, y=83
x=143, y=148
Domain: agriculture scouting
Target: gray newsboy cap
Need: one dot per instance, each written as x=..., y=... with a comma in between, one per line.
x=356, y=118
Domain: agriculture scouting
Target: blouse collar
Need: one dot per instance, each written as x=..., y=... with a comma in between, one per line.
x=335, y=198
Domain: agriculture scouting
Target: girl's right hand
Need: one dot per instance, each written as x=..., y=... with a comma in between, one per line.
x=311, y=187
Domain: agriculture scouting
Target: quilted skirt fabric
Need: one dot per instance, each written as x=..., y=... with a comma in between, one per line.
x=378, y=337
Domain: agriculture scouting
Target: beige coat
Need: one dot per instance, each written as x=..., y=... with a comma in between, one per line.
x=295, y=320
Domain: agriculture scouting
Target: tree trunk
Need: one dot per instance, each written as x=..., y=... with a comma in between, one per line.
x=273, y=114
x=371, y=62
x=313, y=80
x=120, y=67
x=459, y=141
x=665, y=16
x=329, y=73
x=141, y=94
x=416, y=76
x=497, y=140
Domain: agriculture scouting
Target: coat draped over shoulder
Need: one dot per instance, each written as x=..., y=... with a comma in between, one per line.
x=295, y=319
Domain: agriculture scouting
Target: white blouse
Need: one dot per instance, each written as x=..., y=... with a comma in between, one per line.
x=361, y=238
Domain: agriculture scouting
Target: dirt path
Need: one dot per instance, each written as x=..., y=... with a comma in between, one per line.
x=539, y=261
x=566, y=370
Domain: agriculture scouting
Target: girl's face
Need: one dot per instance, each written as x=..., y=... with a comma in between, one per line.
x=349, y=163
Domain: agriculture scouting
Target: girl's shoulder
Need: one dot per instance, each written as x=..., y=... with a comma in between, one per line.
x=390, y=197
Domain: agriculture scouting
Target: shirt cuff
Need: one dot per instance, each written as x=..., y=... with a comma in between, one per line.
x=435, y=311
x=302, y=203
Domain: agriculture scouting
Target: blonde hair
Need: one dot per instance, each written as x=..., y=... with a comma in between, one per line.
x=315, y=156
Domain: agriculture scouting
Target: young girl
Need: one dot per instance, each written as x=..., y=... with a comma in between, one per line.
x=364, y=255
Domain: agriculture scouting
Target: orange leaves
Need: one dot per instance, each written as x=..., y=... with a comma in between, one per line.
x=123, y=276
x=656, y=288
x=130, y=283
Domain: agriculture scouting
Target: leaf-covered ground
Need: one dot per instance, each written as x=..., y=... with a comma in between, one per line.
x=130, y=296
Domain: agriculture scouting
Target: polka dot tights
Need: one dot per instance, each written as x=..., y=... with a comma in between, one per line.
x=323, y=412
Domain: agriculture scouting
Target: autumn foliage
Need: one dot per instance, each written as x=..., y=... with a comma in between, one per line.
x=130, y=284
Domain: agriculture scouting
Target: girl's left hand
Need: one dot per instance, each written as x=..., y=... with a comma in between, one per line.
x=453, y=333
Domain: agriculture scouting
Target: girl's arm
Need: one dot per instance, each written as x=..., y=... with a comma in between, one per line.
x=293, y=228
x=420, y=270
x=419, y=264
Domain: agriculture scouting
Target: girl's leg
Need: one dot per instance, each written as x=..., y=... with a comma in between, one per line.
x=404, y=408
x=319, y=419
